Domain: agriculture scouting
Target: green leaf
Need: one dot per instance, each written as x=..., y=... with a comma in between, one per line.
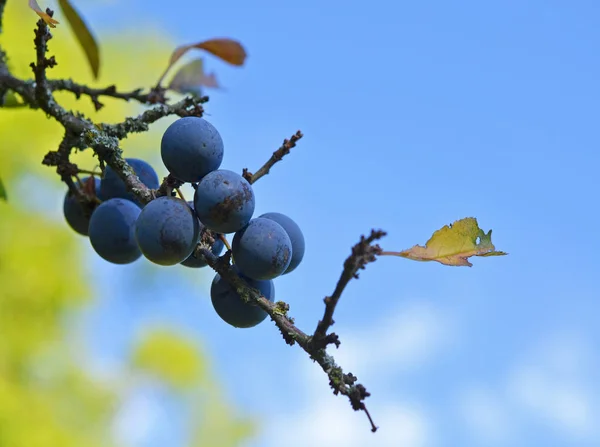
x=453, y=245
x=3, y=195
x=83, y=34
x=169, y=356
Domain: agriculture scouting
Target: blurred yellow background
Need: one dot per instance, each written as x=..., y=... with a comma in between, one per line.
x=47, y=398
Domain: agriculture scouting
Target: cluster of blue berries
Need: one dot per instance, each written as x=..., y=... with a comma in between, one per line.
x=167, y=230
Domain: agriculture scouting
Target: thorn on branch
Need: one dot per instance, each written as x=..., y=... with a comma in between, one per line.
x=52, y=158
x=332, y=339
x=283, y=150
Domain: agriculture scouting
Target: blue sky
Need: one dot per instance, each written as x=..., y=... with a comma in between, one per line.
x=415, y=114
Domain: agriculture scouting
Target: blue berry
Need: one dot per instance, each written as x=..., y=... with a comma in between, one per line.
x=112, y=186
x=230, y=306
x=217, y=249
x=224, y=201
x=295, y=234
x=167, y=230
x=191, y=147
x=262, y=250
x=112, y=231
x=78, y=214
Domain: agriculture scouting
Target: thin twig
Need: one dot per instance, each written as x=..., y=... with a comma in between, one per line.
x=283, y=150
x=186, y=107
x=152, y=97
x=341, y=383
x=362, y=253
x=225, y=241
x=85, y=171
x=103, y=139
x=181, y=196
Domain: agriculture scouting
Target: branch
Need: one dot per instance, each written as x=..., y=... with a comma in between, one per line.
x=41, y=90
x=167, y=186
x=64, y=167
x=341, y=383
x=362, y=253
x=154, y=96
x=283, y=150
x=81, y=133
x=188, y=106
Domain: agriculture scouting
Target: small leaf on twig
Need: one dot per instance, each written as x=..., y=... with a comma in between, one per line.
x=453, y=245
x=3, y=195
x=191, y=77
x=45, y=17
x=229, y=50
x=83, y=34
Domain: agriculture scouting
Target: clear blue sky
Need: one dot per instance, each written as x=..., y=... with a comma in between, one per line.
x=415, y=114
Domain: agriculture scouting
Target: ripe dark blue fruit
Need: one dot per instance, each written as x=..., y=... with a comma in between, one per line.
x=112, y=186
x=224, y=201
x=77, y=214
x=262, y=250
x=112, y=231
x=230, y=306
x=191, y=147
x=217, y=249
x=167, y=230
x=295, y=234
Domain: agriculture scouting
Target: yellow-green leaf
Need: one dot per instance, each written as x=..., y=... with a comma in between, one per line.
x=453, y=245
x=83, y=34
x=45, y=17
x=2, y=191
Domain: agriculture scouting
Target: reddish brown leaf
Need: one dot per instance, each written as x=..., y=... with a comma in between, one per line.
x=228, y=50
x=45, y=17
x=192, y=76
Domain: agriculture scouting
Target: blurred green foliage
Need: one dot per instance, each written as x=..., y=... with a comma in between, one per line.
x=170, y=358
x=47, y=398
